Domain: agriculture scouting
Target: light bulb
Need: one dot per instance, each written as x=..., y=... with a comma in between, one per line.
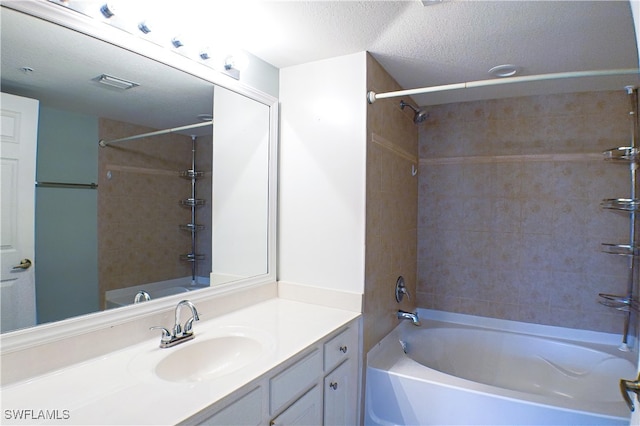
x=108, y=10
x=177, y=41
x=144, y=27
x=204, y=54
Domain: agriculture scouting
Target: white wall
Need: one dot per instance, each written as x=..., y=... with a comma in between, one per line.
x=240, y=186
x=322, y=173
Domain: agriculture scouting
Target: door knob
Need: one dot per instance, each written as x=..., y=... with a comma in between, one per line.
x=627, y=386
x=24, y=264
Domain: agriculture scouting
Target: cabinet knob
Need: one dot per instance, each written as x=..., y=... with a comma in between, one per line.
x=333, y=385
x=343, y=349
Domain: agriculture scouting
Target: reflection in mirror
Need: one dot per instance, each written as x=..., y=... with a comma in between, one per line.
x=98, y=246
x=152, y=236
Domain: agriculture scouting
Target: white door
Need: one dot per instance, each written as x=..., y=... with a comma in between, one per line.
x=18, y=137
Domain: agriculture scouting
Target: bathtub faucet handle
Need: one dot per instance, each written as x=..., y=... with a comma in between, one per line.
x=627, y=386
x=406, y=292
x=401, y=289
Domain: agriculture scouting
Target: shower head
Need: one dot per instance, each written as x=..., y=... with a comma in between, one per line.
x=419, y=115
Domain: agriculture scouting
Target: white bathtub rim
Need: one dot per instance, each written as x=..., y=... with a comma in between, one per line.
x=569, y=334
x=124, y=296
x=394, y=361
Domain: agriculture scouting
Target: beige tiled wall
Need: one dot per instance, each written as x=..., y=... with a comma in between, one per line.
x=392, y=192
x=204, y=160
x=139, y=240
x=509, y=219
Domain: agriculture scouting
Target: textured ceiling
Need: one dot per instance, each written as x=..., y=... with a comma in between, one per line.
x=459, y=41
x=66, y=63
x=447, y=42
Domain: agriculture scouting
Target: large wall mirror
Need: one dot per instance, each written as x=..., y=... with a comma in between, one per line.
x=144, y=217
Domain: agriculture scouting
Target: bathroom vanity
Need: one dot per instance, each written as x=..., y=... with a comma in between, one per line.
x=263, y=352
x=278, y=362
x=318, y=386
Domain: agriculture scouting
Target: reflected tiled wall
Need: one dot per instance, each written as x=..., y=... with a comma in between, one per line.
x=509, y=219
x=204, y=160
x=139, y=240
x=392, y=193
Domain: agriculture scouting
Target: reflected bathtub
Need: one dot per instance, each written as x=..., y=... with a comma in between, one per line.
x=125, y=296
x=465, y=370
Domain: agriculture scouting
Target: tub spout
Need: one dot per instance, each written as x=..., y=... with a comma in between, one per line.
x=413, y=316
x=141, y=296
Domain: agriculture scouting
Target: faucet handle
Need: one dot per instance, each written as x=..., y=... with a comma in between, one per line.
x=177, y=329
x=401, y=289
x=188, y=326
x=404, y=290
x=166, y=335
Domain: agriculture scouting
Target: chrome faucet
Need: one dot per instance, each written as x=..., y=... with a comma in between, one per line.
x=413, y=316
x=177, y=329
x=179, y=334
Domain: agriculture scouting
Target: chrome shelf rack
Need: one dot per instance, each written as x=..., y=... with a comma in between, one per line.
x=628, y=155
x=192, y=202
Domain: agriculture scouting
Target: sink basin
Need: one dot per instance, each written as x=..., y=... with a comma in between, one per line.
x=208, y=359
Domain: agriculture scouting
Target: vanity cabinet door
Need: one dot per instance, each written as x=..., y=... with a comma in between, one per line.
x=245, y=411
x=294, y=381
x=304, y=412
x=340, y=395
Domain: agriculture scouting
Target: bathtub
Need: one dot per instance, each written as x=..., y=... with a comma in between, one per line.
x=466, y=370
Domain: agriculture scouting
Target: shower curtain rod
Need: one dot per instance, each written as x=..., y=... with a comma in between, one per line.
x=104, y=143
x=373, y=96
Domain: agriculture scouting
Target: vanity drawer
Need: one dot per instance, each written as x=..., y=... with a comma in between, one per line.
x=340, y=348
x=295, y=380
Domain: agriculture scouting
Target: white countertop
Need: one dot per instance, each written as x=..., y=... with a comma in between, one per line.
x=121, y=388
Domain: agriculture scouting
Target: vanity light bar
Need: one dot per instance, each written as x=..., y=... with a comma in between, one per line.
x=108, y=10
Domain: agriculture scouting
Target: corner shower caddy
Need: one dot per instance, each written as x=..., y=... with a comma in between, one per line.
x=629, y=155
x=192, y=174
x=192, y=202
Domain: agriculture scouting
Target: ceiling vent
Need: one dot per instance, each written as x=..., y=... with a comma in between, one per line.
x=116, y=82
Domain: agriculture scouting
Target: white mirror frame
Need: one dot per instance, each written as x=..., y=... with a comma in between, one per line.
x=50, y=332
